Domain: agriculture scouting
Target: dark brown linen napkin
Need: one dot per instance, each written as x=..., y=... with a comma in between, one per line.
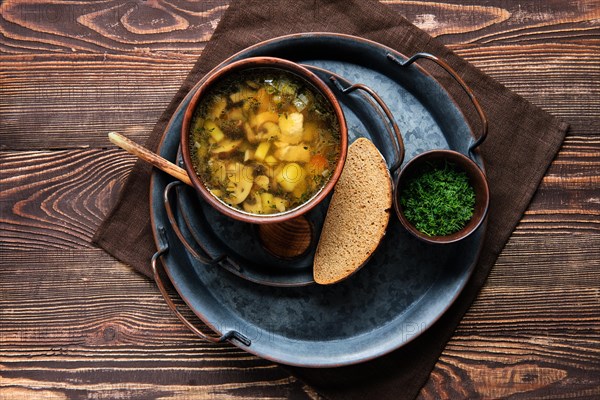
x=521, y=144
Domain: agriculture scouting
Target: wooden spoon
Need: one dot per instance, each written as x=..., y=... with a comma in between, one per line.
x=150, y=157
x=287, y=239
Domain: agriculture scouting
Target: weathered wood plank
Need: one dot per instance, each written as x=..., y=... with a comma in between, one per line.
x=81, y=324
x=562, y=80
x=57, y=199
x=487, y=373
x=534, y=330
x=550, y=262
x=67, y=102
x=73, y=102
x=172, y=26
x=568, y=192
x=447, y=19
x=68, y=329
x=502, y=21
x=177, y=26
x=105, y=67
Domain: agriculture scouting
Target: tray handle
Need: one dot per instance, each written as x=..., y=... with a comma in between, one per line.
x=204, y=257
x=396, y=136
x=459, y=80
x=163, y=249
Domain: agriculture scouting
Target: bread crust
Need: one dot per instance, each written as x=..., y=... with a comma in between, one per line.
x=357, y=217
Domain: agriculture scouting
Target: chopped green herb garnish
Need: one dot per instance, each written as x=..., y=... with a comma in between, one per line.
x=439, y=201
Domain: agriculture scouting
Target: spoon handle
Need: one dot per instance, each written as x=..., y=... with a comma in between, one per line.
x=150, y=157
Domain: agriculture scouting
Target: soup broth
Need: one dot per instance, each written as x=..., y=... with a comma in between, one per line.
x=264, y=141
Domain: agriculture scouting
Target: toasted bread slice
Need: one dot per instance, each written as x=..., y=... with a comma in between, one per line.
x=357, y=217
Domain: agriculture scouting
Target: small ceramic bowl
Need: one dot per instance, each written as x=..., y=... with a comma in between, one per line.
x=253, y=64
x=439, y=158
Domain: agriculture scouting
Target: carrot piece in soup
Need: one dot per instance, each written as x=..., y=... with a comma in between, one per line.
x=317, y=164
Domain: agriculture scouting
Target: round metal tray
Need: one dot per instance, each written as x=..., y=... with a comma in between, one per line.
x=406, y=285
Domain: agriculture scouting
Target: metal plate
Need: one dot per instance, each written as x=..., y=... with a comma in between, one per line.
x=405, y=287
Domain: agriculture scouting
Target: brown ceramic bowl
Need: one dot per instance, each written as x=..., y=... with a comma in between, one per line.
x=476, y=178
x=253, y=64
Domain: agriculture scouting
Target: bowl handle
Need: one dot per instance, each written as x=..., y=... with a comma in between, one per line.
x=163, y=248
x=204, y=257
x=459, y=80
x=396, y=136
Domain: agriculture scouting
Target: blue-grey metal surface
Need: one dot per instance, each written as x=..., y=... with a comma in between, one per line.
x=406, y=285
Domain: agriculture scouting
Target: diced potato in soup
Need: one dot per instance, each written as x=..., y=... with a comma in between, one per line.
x=264, y=141
x=292, y=127
x=299, y=153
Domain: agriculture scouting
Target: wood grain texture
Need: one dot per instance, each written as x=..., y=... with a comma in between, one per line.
x=67, y=102
x=71, y=73
x=171, y=27
x=62, y=333
x=548, y=347
x=57, y=199
x=74, y=101
x=568, y=194
x=468, y=22
x=73, y=333
x=74, y=323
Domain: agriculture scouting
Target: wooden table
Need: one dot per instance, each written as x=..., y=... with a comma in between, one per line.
x=76, y=323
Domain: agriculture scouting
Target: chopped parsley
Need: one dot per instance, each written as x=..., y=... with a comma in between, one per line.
x=439, y=201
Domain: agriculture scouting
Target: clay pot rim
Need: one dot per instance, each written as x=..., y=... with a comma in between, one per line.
x=214, y=77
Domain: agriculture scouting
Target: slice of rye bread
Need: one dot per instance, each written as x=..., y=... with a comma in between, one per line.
x=357, y=217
